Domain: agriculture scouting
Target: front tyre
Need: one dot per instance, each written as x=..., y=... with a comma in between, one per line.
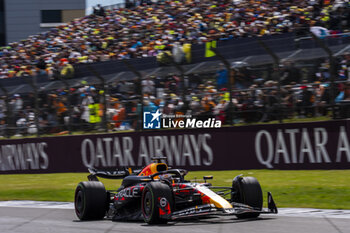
x=157, y=203
x=247, y=190
x=90, y=200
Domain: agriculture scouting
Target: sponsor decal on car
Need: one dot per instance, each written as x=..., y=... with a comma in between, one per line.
x=129, y=192
x=163, y=202
x=164, y=207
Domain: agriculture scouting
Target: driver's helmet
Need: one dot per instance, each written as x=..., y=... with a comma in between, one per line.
x=168, y=178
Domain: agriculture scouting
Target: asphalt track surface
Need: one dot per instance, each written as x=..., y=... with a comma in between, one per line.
x=52, y=220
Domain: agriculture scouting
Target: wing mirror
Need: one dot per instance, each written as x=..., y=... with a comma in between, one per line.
x=207, y=178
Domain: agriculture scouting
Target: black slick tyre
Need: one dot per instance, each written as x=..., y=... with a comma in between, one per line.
x=90, y=200
x=155, y=194
x=247, y=190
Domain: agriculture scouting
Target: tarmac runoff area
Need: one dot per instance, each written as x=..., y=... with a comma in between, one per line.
x=52, y=217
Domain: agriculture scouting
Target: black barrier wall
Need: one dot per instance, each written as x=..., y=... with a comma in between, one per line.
x=318, y=145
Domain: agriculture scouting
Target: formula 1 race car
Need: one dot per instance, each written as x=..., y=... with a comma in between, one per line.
x=158, y=194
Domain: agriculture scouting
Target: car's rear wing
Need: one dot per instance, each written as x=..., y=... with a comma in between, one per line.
x=115, y=174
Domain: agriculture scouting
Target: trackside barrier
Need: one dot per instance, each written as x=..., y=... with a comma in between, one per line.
x=317, y=145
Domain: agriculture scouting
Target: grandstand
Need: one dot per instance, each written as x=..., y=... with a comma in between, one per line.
x=117, y=60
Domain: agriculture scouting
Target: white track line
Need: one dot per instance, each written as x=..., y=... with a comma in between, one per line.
x=290, y=212
x=38, y=204
x=319, y=213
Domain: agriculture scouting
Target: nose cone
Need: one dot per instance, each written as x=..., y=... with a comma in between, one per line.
x=214, y=198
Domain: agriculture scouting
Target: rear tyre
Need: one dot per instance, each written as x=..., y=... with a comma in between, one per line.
x=90, y=200
x=247, y=190
x=157, y=200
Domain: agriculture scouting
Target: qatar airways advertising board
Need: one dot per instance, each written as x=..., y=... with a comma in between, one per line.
x=317, y=145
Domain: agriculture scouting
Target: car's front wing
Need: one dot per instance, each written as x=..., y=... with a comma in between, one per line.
x=210, y=209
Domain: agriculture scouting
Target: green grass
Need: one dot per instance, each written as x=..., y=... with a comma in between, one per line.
x=315, y=189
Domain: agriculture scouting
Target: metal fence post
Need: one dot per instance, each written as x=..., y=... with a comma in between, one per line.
x=68, y=103
x=182, y=74
x=103, y=83
x=32, y=83
x=321, y=43
x=139, y=80
x=8, y=111
x=230, y=82
x=276, y=61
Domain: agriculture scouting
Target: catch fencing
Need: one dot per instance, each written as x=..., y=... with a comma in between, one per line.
x=262, y=58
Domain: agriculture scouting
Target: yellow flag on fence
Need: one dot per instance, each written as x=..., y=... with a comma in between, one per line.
x=208, y=46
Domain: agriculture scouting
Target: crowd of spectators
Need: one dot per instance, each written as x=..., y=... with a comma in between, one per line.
x=203, y=96
x=150, y=27
x=147, y=29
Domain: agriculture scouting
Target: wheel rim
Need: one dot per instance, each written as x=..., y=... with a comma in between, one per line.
x=79, y=202
x=147, y=204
